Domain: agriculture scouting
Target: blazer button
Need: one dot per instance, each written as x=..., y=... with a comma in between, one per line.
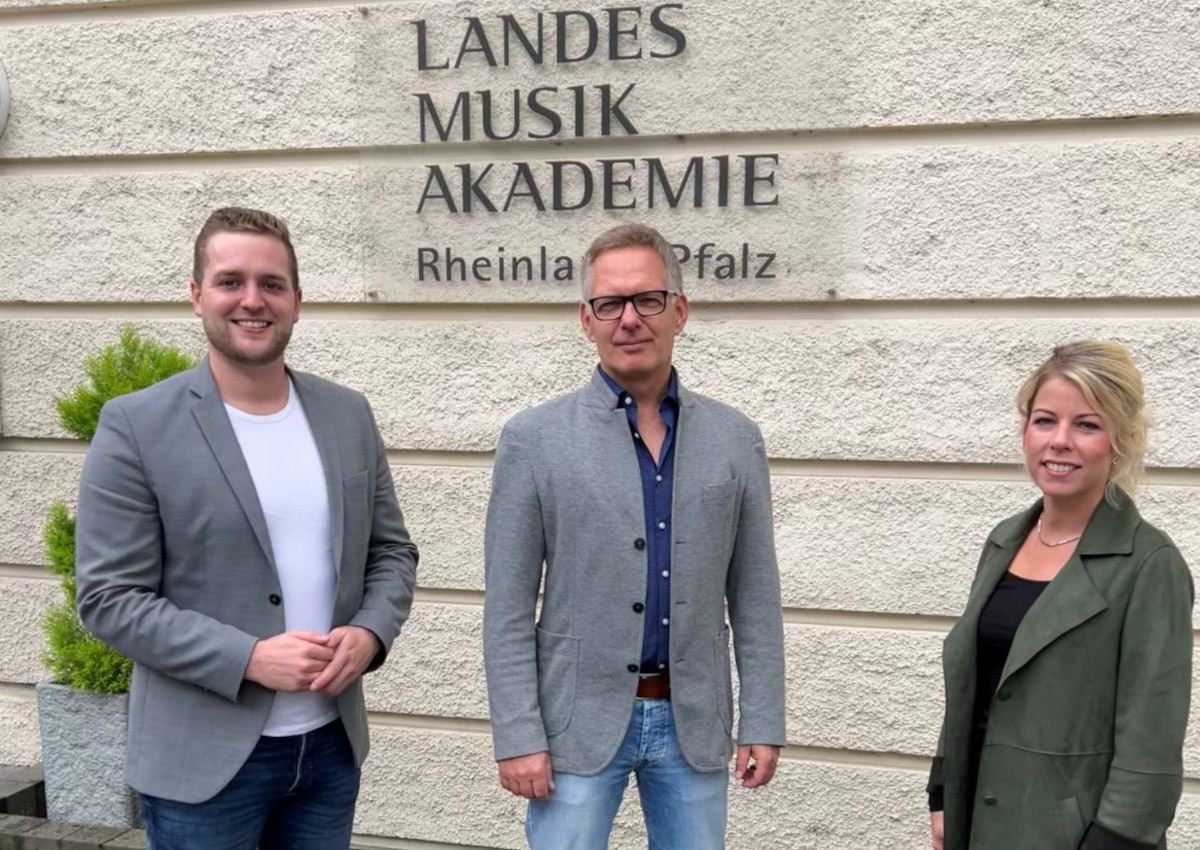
x=989, y=801
x=274, y=599
x=639, y=544
x=638, y=607
x=632, y=668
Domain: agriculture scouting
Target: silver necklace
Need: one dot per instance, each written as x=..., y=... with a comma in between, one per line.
x=1046, y=542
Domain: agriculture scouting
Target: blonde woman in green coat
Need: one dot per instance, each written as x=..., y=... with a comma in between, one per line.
x=1068, y=675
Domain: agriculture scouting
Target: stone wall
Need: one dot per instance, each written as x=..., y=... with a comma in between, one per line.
x=945, y=190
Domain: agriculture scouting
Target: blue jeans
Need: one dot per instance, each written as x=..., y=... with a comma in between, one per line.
x=293, y=793
x=684, y=809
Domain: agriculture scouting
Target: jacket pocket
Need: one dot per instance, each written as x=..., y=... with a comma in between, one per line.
x=713, y=492
x=354, y=487
x=356, y=501
x=558, y=672
x=356, y=530
x=1071, y=819
x=723, y=680
x=717, y=519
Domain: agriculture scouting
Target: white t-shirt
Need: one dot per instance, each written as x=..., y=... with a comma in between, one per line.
x=282, y=455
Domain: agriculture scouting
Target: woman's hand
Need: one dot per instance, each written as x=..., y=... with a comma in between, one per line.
x=935, y=829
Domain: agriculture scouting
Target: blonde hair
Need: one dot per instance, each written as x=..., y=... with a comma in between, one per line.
x=1112, y=385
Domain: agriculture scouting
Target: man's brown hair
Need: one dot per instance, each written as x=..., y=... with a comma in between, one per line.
x=242, y=220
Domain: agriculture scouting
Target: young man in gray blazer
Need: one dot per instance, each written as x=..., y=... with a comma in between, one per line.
x=238, y=537
x=647, y=510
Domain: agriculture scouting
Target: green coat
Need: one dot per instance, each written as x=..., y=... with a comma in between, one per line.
x=1088, y=723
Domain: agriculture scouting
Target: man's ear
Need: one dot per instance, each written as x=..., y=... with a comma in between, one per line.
x=194, y=295
x=681, y=313
x=585, y=321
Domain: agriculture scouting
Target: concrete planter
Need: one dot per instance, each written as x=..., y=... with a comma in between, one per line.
x=83, y=756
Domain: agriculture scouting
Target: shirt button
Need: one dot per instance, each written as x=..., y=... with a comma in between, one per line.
x=639, y=544
x=658, y=478
x=636, y=435
x=666, y=573
x=666, y=621
x=989, y=801
x=627, y=400
x=274, y=599
x=661, y=526
x=1004, y=695
x=638, y=607
x=662, y=666
x=632, y=668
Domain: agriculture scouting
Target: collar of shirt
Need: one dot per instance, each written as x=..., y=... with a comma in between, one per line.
x=621, y=398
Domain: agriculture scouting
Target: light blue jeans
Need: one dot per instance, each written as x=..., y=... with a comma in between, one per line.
x=684, y=809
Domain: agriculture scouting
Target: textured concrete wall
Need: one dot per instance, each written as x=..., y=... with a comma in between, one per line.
x=960, y=186
x=1110, y=217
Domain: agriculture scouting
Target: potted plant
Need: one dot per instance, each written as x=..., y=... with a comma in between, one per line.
x=83, y=711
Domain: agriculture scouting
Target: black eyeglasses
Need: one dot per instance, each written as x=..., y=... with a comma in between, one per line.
x=609, y=308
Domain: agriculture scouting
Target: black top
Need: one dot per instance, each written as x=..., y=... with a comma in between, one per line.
x=998, y=621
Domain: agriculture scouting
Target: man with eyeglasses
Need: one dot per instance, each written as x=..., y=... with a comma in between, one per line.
x=647, y=510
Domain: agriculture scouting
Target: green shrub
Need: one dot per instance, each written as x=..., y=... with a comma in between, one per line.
x=72, y=655
x=77, y=659
x=58, y=537
x=133, y=363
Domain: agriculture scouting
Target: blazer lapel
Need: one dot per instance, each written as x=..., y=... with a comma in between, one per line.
x=324, y=433
x=689, y=470
x=1072, y=598
x=214, y=424
x=962, y=643
x=614, y=443
x=992, y=569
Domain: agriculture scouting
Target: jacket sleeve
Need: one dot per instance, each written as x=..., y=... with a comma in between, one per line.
x=1154, y=678
x=936, y=787
x=390, y=573
x=752, y=590
x=514, y=551
x=118, y=572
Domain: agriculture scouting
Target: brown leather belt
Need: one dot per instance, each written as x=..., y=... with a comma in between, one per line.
x=654, y=687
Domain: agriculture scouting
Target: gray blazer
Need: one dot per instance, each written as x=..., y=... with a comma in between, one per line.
x=174, y=569
x=566, y=493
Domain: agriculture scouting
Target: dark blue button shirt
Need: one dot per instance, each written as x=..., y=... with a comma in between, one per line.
x=657, y=484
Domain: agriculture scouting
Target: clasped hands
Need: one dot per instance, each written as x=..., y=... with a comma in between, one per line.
x=299, y=661
x=530, y=776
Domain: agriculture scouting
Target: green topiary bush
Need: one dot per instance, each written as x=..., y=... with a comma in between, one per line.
x=72, y=655
x=132, y=363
